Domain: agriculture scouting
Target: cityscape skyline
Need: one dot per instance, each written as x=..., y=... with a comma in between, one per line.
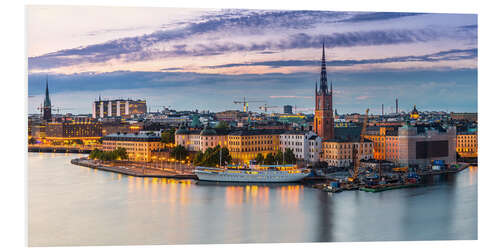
x=187, y=62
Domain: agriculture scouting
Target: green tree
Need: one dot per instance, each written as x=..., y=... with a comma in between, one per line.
x=269, y=160
x=290, y=157
x=259, y=159
x=168, y=136
x=179, y=153
x=198, y=158
x=278, y=158
x=121, y=153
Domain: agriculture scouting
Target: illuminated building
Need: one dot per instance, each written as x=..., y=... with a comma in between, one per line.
x=413, y=146
x=245, y=145
x=120, y=127
x=118, y=108
x=88, y=132
x=467, y=144
x=414, y=113
x=323, y=112
x=201, y=140
x=189, y=139
x=305, y=145
x=139, y=146
x=340, y=152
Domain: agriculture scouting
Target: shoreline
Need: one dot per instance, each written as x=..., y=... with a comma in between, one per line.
x=83, y=162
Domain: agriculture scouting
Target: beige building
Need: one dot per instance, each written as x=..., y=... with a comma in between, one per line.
x=138, y=145
x=339, y=153
x=467, y=144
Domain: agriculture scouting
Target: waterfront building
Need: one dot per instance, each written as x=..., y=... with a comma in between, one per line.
x=305, y=145
x=287, y=109
x=47, y=106
x=139, y=146
x=188, y=138
x=210, y=137
x=323, y=112
x=118, y=108
x=467, y=144
x=340, y=152
x=379, y=136
x=89, y=132
x=245, y=145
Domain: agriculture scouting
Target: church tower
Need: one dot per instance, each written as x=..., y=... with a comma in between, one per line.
x=323, y=112
x=47, y=107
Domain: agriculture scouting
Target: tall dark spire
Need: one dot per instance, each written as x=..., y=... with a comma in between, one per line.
x=323, y=87
x=47, y=106
x=46, y=102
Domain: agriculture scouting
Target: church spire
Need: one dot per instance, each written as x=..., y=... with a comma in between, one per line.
x=46, y=102
x=323, y=81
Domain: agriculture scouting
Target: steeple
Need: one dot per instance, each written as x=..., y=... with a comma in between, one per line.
x=46, y=102
x=323, y=87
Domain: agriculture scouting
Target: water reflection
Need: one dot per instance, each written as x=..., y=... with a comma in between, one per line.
x=130, y=210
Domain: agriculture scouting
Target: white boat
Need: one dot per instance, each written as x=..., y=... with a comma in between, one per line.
x=252, y=173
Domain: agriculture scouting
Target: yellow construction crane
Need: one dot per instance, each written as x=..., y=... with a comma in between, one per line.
x=245, y=103
x=356, y=155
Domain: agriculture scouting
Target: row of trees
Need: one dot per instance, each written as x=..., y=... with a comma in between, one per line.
x=270, y=159
x=212, y=157
x=179, y=152
x=118, y=154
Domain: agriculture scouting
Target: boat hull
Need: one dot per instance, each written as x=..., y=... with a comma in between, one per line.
x=261, y=176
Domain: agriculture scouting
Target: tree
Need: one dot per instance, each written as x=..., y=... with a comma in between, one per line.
x=31, y=140
x=278, y=158
x=179, y=152
x=269, y=160
x=78, y=141
x=213, y=157
x=290, y=157
x=168, y=136
x=121, y=153
x=198, y=158
x=259, y=159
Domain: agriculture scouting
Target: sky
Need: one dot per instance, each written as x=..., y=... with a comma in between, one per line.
x=204, y=59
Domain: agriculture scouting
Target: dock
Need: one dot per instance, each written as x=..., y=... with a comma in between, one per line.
x=134, y=170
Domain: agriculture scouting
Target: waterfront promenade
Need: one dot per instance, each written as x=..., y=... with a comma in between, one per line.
x=163, y=170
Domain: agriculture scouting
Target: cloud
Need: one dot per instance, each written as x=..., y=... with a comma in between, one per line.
x=363, y=97
x=449, y=55
x=296, y=33
x=290, y=97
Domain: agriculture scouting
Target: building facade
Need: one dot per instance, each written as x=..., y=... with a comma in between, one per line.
x=340, y=153
x=118, y=108
x=189, y=139
x=88, y=132
x=139, y=146
x=245, y=145
x=305, y=145
x=287, y=109
x=467, y=144
x=323, y=111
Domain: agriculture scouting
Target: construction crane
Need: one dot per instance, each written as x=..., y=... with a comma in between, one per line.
x=56, y=109
x=265, y=107
x=356, y=155
x=245, y=103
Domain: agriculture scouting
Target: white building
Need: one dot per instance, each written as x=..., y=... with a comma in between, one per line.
x=305, y=145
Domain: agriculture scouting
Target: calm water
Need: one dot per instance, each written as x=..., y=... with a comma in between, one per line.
x=72, y=205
